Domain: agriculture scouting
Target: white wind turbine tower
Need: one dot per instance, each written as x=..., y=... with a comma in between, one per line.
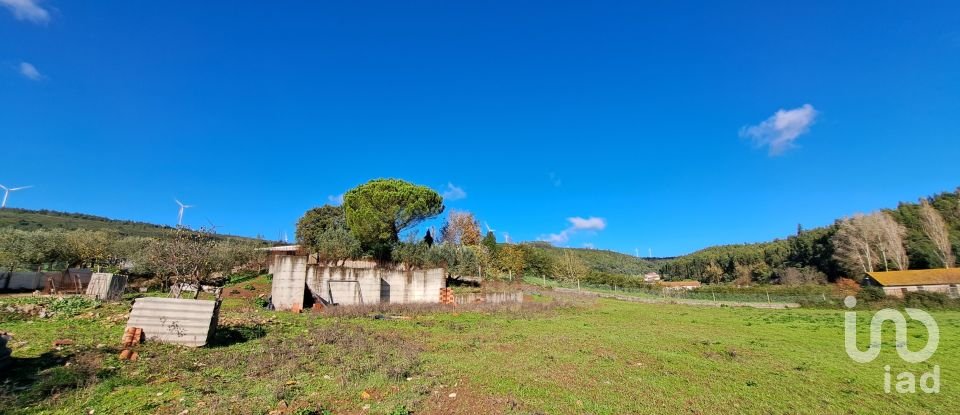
x=180, y=215
x=6, y=193
x=489, y=229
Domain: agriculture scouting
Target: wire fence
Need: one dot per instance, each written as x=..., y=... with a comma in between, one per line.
x=747, y=295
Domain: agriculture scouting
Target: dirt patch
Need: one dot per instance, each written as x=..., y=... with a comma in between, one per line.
x=467, y=400
x=247, y=290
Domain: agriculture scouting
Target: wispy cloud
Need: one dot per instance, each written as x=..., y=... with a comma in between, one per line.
x=779, y=132
x=554, y=179
x=577, y=224
x=335, y=199
x=29, y=71
x=453, y=192
x=29, y=10
x=588, y=224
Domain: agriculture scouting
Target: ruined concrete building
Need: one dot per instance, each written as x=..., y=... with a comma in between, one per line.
x=300, y=282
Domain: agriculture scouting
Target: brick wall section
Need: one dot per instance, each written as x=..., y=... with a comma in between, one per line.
x=446, y=296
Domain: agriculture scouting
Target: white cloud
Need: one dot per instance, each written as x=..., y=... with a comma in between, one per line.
x=27, y=10
x=335, y=199
x=782, y=128
x=555, y=180
x=453, y=192
x=557, y=238
x=29, y=71
x=591, y=223
x=577, y=224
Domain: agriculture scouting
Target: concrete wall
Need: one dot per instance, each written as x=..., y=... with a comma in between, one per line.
x=289, y=281
x=175, y=320
x=419, y=286
x=352, y=282
x=899, y=291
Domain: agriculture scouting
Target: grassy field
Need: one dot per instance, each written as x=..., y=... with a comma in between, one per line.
x=554, y=354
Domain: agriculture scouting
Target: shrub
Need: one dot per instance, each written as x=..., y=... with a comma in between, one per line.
x=870, y=294
x=927, y=300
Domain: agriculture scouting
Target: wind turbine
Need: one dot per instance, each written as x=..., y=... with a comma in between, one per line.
x=489, y=229
x=6, y=193
x=180, y=215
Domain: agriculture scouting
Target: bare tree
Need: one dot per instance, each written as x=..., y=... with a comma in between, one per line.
x=852, y=244
x=936, y=229
x=891, y=234
x=866, y=243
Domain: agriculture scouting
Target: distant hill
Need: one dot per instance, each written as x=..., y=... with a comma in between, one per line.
x=29, y=220
x=603, y=260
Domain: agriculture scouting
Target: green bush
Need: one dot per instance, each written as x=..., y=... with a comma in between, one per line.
x=871, y=294
x=927, y=300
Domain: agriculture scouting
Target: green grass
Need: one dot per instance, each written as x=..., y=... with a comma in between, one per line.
x=553, y=355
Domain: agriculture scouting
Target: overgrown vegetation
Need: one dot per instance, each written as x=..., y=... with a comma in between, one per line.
x=181, y=255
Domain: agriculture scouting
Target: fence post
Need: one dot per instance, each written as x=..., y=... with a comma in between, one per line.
x=824, y=297
x=714, y=297
x=768, y=296
x=578, y=284
x=544, y=280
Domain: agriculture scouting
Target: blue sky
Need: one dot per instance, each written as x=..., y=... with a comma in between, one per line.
x=619, y=125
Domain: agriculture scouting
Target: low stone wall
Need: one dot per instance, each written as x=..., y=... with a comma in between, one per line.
x=489, y=298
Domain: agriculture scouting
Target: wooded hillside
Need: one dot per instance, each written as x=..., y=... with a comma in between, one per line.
x=818, y=253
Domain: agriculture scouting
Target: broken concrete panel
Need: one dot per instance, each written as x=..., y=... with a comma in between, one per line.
x=175, y=320
x=106, y=286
